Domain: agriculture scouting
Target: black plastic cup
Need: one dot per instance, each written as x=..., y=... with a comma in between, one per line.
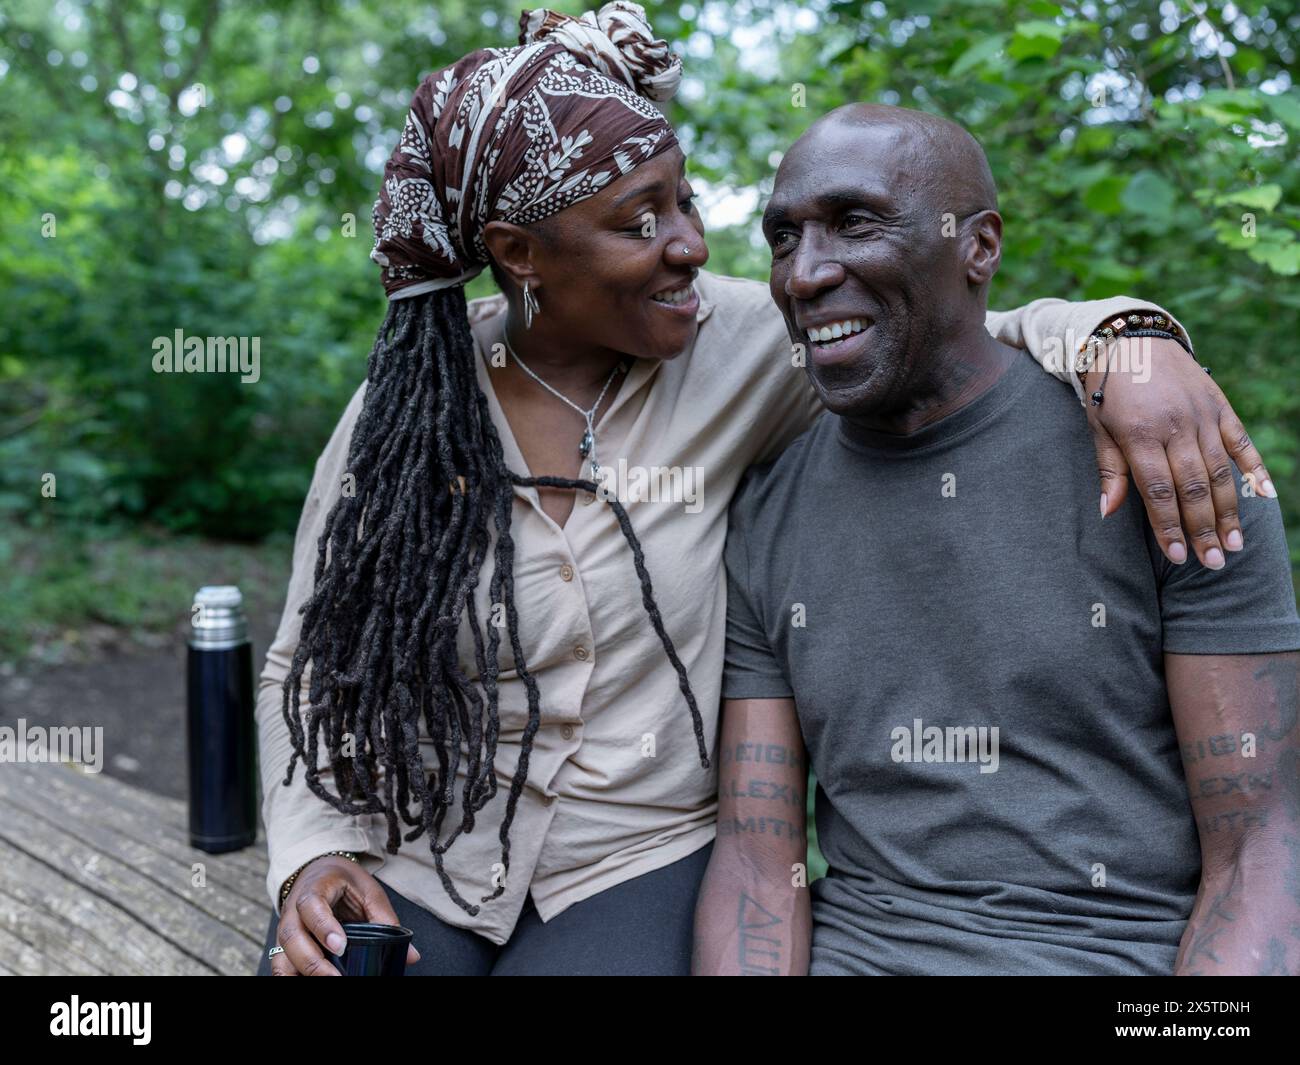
x=373, y=950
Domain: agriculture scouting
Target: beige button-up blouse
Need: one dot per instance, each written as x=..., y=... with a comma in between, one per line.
x=615, y=787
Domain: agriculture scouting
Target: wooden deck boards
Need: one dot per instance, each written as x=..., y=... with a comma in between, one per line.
x=97, y=876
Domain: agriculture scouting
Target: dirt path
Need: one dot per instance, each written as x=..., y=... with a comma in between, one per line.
x=135, y=691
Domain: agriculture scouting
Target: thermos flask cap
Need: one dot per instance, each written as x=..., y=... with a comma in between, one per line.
x=218, y=618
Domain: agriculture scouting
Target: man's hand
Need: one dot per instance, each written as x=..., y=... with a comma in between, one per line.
x=329, y=888
x=1166, y=422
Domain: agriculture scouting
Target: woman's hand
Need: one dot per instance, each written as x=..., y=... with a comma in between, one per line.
x=1165, y=421
x=329, y=888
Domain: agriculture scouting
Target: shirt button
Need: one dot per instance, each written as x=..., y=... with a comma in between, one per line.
x=567, y=732
x=581, y=653
x=586, y=498
x=566, y=572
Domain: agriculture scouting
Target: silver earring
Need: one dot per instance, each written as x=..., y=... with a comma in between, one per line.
x=530, y=307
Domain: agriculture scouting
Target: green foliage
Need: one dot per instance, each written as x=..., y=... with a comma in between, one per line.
x=62, y=585
x=1130, y=157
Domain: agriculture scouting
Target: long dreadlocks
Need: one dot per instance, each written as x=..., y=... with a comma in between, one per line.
x=398, y=563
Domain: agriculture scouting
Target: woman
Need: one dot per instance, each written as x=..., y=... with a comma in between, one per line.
x=475, y=581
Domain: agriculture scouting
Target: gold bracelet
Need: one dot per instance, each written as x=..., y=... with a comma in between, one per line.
x=288, y=884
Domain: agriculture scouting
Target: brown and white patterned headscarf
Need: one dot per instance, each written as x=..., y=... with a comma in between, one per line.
x=517, y=134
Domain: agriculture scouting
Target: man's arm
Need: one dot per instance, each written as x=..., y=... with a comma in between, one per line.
x=753, y=916
x=1236, y=722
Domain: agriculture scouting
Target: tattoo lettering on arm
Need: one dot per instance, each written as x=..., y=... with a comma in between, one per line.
x=1282, y=675
x=764, y=789
x=1236, y=784
x=758, y=948
x=1289, y=776
x=762, y=826
x=1219, y=915
x=1233, y=821
x=753, y=916
x=771, y=753
x=1209, y=747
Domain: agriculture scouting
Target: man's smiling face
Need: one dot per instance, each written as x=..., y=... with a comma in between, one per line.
x=861, y=267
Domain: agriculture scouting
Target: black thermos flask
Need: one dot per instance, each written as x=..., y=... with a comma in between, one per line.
x=220, y=726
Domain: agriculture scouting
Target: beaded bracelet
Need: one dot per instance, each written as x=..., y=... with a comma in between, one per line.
x=1117, y=328
x=288, y=884
x=1165, y=335
x=1098, y=396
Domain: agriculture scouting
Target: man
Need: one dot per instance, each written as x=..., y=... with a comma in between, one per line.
x=994, y=706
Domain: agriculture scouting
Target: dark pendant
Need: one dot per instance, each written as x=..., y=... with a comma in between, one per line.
x=584, y=448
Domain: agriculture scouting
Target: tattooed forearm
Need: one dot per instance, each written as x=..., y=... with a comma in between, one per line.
x=759, y=940
x=753, y=916
x=1277, y=679
x=1212, y=747
x=1233, y=821
x=1199, y=939
x=1235, y=784
x=770, y=753
x=786, y=794
x=761, y=826
x=1236, y=718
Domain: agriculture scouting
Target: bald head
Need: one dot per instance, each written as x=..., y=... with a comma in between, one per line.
x=947, y=163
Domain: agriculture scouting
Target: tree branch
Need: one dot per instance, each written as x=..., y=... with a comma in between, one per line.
x=210, y=15
x=1218, y=36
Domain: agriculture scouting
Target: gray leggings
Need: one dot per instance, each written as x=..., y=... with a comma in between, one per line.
x=641, y=927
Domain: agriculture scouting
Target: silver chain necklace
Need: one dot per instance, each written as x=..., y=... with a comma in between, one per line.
x=587, y=445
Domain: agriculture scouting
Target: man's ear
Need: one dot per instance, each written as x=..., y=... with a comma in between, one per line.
x=984, y=247
x=514, y=249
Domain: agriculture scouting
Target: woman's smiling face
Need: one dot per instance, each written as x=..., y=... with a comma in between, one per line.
x=615, y=271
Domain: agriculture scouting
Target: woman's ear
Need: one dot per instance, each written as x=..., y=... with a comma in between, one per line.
x=514, y=250
x=984, y=247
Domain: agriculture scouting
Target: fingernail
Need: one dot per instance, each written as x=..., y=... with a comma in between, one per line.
x=1234, y=540
x=1268, y=489
x=1177, y=552
x=336, y=943
x=416, y=953
x=1103, y=506
x=1214, y=558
